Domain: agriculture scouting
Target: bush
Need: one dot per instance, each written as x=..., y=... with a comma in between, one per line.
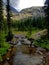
x=3, y=51
x=47, y=46
x=5, y=45
x=44, y=43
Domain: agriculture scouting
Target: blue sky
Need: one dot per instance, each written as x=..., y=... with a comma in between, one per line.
x=21, y=4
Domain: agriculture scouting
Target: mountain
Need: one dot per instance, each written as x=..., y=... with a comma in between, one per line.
x=28, y=12
x=13, y=9
x=34, y=11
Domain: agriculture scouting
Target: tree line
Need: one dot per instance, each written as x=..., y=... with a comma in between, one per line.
x=29, y=23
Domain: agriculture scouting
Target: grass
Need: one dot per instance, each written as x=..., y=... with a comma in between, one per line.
x=3, y=49
x=34, y=31
x=0, y=57
x=4, y=46
x=26, y=33
x=44, y=43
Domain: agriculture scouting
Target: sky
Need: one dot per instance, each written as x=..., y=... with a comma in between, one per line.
x=22, y=4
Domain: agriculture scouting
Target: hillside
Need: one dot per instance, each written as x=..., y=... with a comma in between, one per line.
x=28, y=12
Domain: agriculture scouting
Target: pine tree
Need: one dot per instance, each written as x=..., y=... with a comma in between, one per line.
x=1, y=22
x=1, y=16
x=46, y=9
x=10, y=36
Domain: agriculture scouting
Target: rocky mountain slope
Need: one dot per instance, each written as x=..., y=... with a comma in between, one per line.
x=28, y=12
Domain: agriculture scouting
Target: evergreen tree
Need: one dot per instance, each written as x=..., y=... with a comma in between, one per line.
x=10, y=36
x=1, y=16
x=1, y=22
x=46, y=9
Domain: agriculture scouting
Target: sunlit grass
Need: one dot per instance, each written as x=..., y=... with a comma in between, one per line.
x=26, y=33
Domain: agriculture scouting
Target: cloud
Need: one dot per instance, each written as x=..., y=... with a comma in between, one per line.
x=21, y=4
x=29, y=3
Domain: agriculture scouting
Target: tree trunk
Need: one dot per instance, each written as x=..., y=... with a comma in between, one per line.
x=10, y=36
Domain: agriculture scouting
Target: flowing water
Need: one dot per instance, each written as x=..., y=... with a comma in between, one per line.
x=25, y=59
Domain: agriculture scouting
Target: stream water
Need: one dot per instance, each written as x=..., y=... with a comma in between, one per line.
x=25, y=59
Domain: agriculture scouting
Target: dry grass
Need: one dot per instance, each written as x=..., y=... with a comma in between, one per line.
x=20, y=32
x=26, y=33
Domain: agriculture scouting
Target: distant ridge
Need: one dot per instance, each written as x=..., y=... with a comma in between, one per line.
x=25, y=13
x=11, y=8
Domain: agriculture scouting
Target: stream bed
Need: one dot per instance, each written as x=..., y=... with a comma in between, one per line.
x=26, y=59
